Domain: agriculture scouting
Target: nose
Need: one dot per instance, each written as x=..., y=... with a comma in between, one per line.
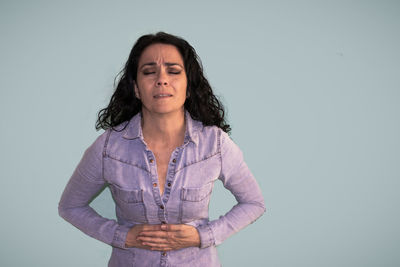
x=162, y=79
x=159, y=83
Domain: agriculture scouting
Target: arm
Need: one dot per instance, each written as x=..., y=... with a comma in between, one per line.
x=237, y=178
x=86, y=181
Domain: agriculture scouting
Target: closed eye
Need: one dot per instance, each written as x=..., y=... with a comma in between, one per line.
x=148, y=72
x=175, y=72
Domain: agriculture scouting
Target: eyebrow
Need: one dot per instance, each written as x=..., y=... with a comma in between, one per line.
x=168, y=64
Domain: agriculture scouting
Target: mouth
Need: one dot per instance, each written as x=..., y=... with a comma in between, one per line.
x=162, y=95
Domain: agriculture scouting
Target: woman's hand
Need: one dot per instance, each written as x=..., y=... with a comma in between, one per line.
x=166, y=237
x=131, y=237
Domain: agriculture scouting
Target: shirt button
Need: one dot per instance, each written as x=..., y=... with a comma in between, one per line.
x=151, y=160
x=169, y=184
x=161, y=207
x=154, y=184
x=174, y=160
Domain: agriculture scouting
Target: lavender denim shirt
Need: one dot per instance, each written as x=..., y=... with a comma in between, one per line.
x=123, y=161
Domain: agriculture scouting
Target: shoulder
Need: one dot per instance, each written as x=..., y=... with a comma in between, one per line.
x=214, y=134
x=126, y=130
x=109, y=135
x=98, y=145
x=208, y=131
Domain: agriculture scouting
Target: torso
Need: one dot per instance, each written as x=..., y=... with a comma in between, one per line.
x=162, y=160
x=162, y=148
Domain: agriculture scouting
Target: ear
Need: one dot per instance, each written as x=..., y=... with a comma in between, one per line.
x=137, y=94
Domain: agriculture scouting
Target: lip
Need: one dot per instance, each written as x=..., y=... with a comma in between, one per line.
x=162, y=95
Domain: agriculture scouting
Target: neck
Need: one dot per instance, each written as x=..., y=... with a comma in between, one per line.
x=163, y=129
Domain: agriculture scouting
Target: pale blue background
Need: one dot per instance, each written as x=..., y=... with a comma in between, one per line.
x=311, y=89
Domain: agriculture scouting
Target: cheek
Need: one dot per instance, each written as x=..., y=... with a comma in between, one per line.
x=145, y=86
x=180, y=84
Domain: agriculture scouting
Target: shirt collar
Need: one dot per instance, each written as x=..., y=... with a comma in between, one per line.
x=134, y=128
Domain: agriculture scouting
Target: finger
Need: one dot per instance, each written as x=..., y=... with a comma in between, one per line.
x=162, y=234
x=172, y=227
x=150, y=227
x=161, y=249
x=153, y=240
x=155, y=246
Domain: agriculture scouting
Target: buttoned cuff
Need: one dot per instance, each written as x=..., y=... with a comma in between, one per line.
x=120, y=236
x=206, y=235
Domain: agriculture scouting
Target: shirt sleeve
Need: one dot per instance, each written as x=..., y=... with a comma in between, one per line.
x=237, y=178
x=84, y=184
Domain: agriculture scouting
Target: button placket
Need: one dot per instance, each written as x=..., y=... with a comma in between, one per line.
x=171, y=173
x=163, y=260
x=155, y=186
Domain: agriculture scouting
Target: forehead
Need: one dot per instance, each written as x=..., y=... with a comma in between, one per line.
x=160, y=53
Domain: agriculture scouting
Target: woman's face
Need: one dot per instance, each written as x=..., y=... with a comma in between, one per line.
x=161, y=79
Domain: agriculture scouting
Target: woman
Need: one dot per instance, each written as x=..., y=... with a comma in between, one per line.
x=165, y=144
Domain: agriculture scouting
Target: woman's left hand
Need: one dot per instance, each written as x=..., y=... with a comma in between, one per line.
x=170, y=237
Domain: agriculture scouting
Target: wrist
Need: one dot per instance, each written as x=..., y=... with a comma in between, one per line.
x=197, y=241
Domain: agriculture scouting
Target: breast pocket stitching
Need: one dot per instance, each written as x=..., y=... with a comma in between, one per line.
x=131, y=204
x=194, y=203
x=196, y=193
x=128, y=196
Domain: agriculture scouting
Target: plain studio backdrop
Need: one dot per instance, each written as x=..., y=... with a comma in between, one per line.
x=311, y=90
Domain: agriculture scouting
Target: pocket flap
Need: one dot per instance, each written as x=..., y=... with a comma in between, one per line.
x=196, y=193
x=129, y=196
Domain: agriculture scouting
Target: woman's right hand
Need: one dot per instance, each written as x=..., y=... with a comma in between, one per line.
x=131, y=237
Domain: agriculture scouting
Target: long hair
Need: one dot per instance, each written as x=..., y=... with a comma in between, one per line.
x=201, y=103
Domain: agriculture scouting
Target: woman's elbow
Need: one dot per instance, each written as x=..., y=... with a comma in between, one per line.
x=63, y=212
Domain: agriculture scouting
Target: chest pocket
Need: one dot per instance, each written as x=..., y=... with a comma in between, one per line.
x=129, y=204
x=194, y=203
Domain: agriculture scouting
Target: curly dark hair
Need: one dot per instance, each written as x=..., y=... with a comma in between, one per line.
x=201, y=103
